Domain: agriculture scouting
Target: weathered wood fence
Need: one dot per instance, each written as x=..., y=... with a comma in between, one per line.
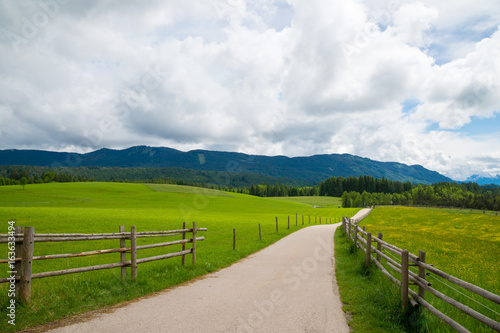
x=375, y=245
x=23, y=240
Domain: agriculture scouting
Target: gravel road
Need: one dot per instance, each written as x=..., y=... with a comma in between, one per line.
x=289, y=286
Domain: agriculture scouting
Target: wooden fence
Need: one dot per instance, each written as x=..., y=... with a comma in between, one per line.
x=22, y=242
x=366, y=241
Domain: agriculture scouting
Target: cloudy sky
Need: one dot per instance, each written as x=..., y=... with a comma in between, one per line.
x=415, y=82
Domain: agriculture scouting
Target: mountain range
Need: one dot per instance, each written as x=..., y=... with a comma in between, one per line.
x=311, y=169
x=484, y=180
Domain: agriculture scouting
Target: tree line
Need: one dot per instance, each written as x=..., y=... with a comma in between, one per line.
x=336, y=186
x=280, y=190
x=368, y=191
x=23, y=177
x=224, y=180
x=355, y=191
x=333, y=186
x=444, y=194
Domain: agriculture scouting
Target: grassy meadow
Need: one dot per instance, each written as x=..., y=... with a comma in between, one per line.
x=462, y=243
x=102, y=207
x=319, y=202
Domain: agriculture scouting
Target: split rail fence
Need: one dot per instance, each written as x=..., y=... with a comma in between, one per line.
x=375, y=245
x=24, y=238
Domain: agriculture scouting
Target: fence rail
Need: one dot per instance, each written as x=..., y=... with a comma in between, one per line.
x=364, y=240
x=23, y=239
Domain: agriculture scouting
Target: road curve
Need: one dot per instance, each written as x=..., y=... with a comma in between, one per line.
x=289, y=286
x=361, y=214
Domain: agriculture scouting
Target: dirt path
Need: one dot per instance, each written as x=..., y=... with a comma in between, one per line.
x=288, y=287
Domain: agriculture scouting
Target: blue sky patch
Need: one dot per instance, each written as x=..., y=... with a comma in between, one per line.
x=445, y=41
x=482, y=126
x=282, y=17
x=477, y=127
x=409, y=105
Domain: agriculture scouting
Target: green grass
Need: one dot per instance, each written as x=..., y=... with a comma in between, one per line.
x=319, y=202
x=102, y=207
x=462, y=243
x=186, y=189
x=370, y=299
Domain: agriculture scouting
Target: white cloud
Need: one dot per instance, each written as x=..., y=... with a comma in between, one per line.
x=412, y=23
x=464, y=88
x=266, y=77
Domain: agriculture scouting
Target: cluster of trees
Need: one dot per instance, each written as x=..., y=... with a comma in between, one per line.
x=280, y=190
x=368, y=191
x=333, y=186
x=22, y=177
x=468, y=195
x=336, y=186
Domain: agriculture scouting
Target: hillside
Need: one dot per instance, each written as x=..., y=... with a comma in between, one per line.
x=313, y=168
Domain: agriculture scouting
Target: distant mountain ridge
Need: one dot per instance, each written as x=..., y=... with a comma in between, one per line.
x=484, y=180
x=312, y=168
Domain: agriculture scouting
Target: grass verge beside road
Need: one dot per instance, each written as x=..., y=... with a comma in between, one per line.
x=371, y=301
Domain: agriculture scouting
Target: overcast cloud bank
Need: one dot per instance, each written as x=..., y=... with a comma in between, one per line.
x=388, y=80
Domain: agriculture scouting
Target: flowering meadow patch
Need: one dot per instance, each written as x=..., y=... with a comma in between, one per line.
x=463, y=243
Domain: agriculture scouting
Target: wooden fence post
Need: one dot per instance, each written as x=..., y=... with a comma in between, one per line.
x=343, y=225
x=315, y=219
x=349, y=228
x=404, y=279
x=421, y=273
x=133, y=253
x=194, y=243
x=123, y=255
x=302, y=219
x=234, y=239
x=379, y=246
x=368, y=249
x=19, y=254
x=355, y=237
x=260, y=233
x=276, y=224
x=183, y=258
x=26, y=265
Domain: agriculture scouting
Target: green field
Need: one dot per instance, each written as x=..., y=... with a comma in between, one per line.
x=319, y=202
x=102, y=207
x=460, y=242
